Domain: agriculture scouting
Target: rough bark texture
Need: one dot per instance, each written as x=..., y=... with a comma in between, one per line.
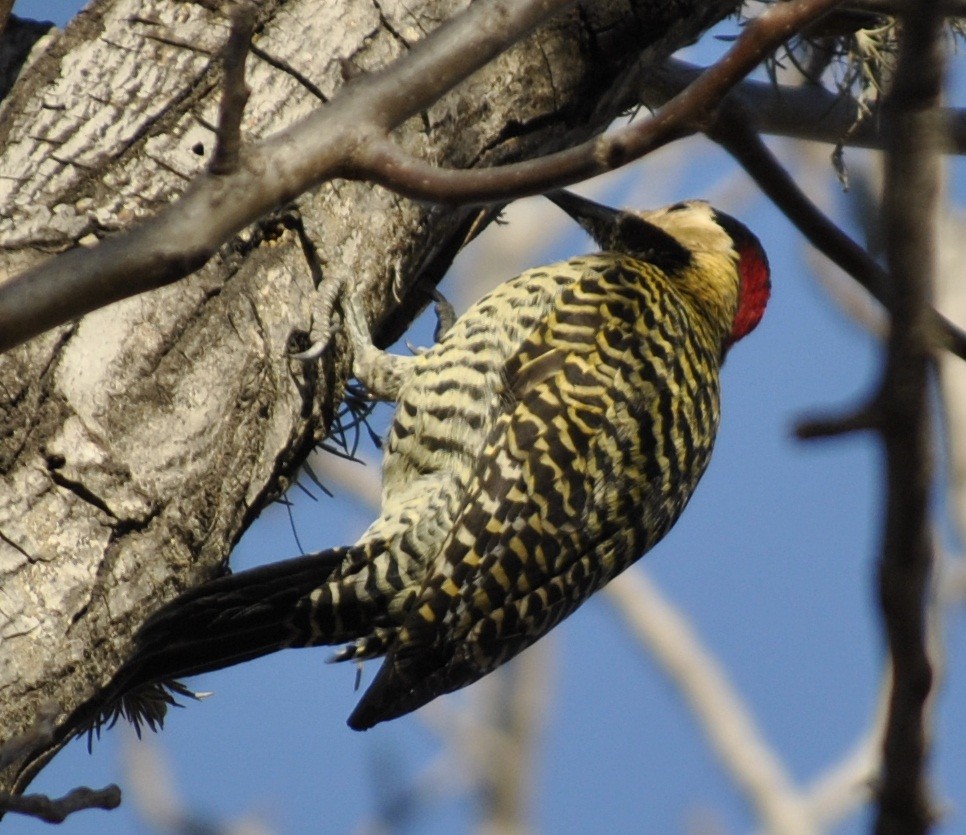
x=139, y=443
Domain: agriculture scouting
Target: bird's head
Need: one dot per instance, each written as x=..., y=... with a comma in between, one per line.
x=674, y=238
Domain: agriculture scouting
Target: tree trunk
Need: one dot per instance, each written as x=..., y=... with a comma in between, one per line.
x=139, y=442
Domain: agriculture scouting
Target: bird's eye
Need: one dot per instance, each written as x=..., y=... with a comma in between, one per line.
x=677, y=207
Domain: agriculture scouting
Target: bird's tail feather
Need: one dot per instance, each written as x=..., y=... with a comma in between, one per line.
x=220, y=623
x=228, y=620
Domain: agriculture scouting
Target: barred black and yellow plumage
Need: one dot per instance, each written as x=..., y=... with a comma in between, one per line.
x=550, y=439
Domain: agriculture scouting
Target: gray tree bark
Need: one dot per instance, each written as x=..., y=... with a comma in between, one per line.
x=139, y=442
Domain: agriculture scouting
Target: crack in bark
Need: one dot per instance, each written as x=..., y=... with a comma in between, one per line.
x=30, y=557
x=78, y=488
x=309, y=250
x=389, y=27
x=287, y=69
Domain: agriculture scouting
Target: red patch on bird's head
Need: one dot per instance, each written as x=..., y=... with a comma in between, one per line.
x=754, y=274
x=754, y=292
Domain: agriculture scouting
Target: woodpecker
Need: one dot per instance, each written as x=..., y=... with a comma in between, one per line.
x=550, y=439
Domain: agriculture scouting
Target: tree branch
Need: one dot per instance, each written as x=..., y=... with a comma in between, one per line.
x=381, y=162
x=849, y=783
x=914, y=138
x=950, y=8
x=805, y=111
x=348, y=138
x=861, y=420
x=910, y=206
x=228, y=140
x=56, y=810
x=733, y=129
x=730, y=729
x=182, y=237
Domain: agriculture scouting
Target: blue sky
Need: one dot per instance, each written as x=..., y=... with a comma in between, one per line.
x=772, y=562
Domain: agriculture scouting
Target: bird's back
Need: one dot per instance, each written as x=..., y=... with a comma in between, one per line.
x=610, y=411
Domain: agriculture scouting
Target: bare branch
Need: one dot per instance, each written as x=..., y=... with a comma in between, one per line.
x=850, y=782
x=949, y=297
x=734, y=132
x=910, y=207
x=728, y=725
x=861, y=420
x=348, y=138
x=225, y=158
x=951, y=8
x=181, y=238
x=499, y=742
x=805, y=111
x=56, y=810
x=382, y=162
x=151, y=786
x=914, y=138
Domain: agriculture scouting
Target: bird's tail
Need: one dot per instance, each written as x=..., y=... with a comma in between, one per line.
x=230, y=620
x=220, y=623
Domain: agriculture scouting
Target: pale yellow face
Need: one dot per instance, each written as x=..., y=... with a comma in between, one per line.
x=711, y=281
x=692, y=224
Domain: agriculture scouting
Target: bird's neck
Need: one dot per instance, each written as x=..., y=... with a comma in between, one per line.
x=710, y=285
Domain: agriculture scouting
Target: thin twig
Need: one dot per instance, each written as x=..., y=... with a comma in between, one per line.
x=502, y=743
x=56, y=810
x=804, y=111
x=952, y=8
x=227, y=151
x=861, y=420
x=850, y=782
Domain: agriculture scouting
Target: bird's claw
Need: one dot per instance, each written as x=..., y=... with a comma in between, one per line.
x=445, y=314
x=323, y=313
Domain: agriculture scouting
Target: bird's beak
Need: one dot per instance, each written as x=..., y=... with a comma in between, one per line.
x=599, y=221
